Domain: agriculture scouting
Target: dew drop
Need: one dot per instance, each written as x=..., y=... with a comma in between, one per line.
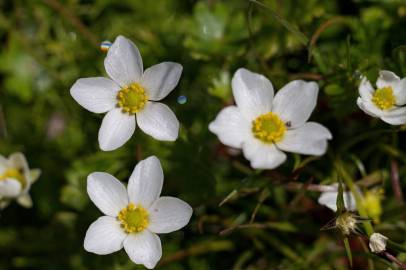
x=182, y=99
x=105, y=46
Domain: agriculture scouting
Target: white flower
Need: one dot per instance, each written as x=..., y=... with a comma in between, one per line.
x=130, y=96
x=387, y=101
x=328, y=198
x=15, y=180
x=377, y=242
x=134, y=216
x=263, y=125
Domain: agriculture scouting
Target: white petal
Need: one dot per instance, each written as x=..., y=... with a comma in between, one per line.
x=18, y=161
x=349, y=201
x=10, y=188
x=159, y=80
x=107, y=193
x=261, y=155
x=395, y=116
x=104, y=236
x=35, y=174
x=144, y=248
x=158, y=121
x=25, y=201
x=387, y=78
x=169, y=214
x=253, y=93
x=329, y=199
x=309, y=139
x=116, y=129
x=97, y=95
x=123, y=62
x=146, y=182
x=369, y=108
x=365, y=89
x=231, y=127
x=400, y=92
x=295, y=102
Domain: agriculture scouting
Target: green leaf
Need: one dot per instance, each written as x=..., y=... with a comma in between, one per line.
x=348, y=249
x=340, y=198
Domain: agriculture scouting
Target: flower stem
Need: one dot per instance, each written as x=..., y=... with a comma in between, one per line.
x=394, y=259
x=394, y=175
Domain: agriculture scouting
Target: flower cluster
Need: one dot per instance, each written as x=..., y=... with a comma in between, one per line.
x=262, y=123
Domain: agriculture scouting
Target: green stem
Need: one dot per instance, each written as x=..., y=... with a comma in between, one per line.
x=396, y=246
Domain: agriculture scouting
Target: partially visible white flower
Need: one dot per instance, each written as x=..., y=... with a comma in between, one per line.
x=263, y=125
x=329, y=199
x=386, y=102
x=377, y=242
x=15, y=180
x=130, y=96
x=133, y=216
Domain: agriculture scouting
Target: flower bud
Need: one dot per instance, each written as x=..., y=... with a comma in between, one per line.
x=377, y=243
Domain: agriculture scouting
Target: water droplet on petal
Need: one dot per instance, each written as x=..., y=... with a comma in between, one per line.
x=105, y=46
x=182, y=99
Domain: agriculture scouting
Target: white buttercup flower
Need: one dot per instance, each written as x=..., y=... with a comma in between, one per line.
x=328, y=198
x=130, y=96
x=15, y=180
x=263, y=125
x=387, y=100
x=134, y=216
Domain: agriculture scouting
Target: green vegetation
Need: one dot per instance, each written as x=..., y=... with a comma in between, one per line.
x=243, y=218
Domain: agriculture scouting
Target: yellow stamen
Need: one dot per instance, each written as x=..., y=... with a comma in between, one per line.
x=133, y=218
x=132, y=98
x=346, y=223
x=268, y=128
x=15, y=174
x=384, y=98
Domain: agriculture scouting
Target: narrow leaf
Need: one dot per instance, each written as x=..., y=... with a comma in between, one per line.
x=340, y=198
x=348, y=249
x=302, y=37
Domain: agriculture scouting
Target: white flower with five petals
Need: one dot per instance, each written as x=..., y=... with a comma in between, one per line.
x=135, y=215
x=129, y=96
x=16, y=179
x=264, y=125
x=386, y=102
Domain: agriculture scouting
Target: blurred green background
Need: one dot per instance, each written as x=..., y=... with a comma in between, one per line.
x=243, y=219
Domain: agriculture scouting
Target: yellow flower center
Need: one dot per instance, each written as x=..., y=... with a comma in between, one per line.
x=372, y=203
x=132, y=98
x=15, y=174
x=384, y=98
x=268, y=128
x=133, y=218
